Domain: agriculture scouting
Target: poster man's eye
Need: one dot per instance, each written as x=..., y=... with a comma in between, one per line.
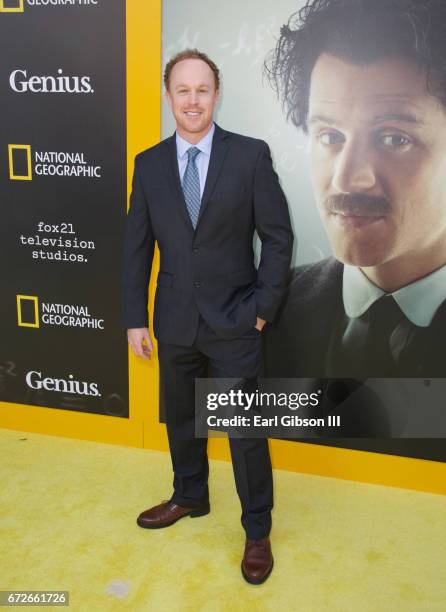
x=331, y=137
x=394, y=140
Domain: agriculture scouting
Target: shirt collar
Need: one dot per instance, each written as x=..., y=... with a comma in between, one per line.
x=419, y=300
x=205, y=144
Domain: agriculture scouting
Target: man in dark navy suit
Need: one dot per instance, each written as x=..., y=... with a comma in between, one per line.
x=201, y=194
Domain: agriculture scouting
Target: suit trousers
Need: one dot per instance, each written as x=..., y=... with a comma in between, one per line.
x=179, y=366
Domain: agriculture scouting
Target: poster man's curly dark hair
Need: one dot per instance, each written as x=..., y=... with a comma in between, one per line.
x=358, y=31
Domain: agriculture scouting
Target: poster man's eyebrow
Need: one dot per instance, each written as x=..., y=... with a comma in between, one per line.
x=396, y=116
x=321, y=119
x=391, y=116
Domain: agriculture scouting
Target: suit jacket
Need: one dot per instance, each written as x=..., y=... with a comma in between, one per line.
x=208, y=271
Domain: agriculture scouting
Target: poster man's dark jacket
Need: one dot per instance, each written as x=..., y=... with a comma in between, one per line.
x=297, y=345
x=209, y=271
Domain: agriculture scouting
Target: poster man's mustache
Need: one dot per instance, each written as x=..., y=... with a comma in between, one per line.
x=357, y=205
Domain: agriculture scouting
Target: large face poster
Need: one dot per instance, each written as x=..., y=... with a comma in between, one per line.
x=350, y=97
x=63, y=203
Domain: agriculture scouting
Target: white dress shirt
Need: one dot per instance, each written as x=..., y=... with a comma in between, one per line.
x=202, y=159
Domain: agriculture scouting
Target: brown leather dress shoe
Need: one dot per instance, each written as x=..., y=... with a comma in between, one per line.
x=167, y=513
x=257, y=561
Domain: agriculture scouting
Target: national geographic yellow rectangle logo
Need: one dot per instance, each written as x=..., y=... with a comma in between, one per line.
x=20, y=319
x=13, y=6
x=27, y=176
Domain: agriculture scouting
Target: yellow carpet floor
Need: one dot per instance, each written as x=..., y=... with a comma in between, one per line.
x=67, y=522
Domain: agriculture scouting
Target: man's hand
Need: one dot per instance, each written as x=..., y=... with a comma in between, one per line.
x=140, y=342
x=260, y=324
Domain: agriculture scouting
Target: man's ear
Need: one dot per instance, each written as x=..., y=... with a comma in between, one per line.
x=168, y=98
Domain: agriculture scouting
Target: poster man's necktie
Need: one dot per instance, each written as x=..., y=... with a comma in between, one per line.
x=191, y=186
x=373, y=343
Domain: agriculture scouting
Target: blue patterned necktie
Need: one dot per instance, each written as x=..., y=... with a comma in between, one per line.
x=191, y=186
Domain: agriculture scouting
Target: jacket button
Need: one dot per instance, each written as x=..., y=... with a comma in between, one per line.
x=197, y=284
x=196, y=249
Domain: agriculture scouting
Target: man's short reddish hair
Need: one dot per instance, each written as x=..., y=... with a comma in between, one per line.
x=191, y=54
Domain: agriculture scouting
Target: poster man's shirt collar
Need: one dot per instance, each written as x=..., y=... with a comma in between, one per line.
x=419, y=300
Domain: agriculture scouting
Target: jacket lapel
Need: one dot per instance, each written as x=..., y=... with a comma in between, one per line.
x=220, y=143
x=173, y=178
